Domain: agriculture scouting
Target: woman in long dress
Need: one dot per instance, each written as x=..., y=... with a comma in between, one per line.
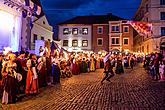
x=32, y=78
x=92, y=65
x=9, y=80
x=42, y=76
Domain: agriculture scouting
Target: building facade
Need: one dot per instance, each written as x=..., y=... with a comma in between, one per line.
x=41, y=30
x=90, y=32
x=100, y=38
x=15, y=24
x=75, y=37
x=152, y=11
x=120, y=37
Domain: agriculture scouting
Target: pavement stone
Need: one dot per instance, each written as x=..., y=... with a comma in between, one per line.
x=133, y=90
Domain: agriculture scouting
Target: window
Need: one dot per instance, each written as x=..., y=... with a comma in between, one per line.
x=75, y=31
x=99, y=30
x=99, y=41
x=146, y=7
x=74, y=43
x=115, y=28
x=126, y=28
x=125, y=41
x=162, y=15
x=42, y=38
x=162, y=31
x=162, y=2
x=115, y=41
x=85, y=43
x=65, y=42
x=66, y=31
x=34, y=38
x=85, y=31
x=43, y=22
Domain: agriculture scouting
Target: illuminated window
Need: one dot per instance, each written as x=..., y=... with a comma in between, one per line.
x=125, y=41
x=99, y=41
x=34, y=38
x=65, y=42
x=85, y=43
x=115, y=28
x=99, y=30
x=75, y=31
x=66, y=31
x=85, y=31
x=74, y=43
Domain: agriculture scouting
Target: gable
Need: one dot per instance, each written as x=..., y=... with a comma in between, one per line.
x=42, y=21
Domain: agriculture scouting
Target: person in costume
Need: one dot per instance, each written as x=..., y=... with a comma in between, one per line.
x=119, y=66
x=41, y=69
x=9, y=80
x=32, y=77
x=107, y=71
x=84, y=66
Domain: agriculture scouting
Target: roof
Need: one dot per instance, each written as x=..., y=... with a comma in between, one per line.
x=93, y=19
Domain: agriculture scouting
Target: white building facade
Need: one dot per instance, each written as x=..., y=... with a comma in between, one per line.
x=41, y=30
x=75, y=37
x=152, y=11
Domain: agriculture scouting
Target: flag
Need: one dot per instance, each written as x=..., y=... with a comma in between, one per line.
x=106, y=57
x=143, y=28
x=38, y=10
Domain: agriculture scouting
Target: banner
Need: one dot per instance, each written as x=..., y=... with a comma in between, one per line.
x=143, y=28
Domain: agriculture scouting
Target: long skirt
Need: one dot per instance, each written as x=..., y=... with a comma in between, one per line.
x=10, y=90
x=42, y=77
x=75, y=69
x=31, y=84
x=92, y=67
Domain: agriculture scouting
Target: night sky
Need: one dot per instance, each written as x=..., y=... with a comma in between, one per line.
x=61, y=10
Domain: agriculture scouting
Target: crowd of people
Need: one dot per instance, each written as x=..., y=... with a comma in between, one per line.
x=155, y=65
x=25, y=73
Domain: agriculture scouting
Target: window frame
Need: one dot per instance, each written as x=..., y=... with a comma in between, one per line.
x=124, y=42
x=83, y=43
x=74, y=42
x=162, y=31
x=162, y=2
x=115, y=40
x=73, y=29
x=162, y=15
x=100, y=27
x=115, y=28
x=65, y=42
x=83, y=31
x=98, y=41
x=124, y=29
x=64, y=31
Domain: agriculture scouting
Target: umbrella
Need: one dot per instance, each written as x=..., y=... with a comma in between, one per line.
x=106, y=57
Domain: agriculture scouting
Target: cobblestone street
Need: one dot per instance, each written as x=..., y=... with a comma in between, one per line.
x=132, y=90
